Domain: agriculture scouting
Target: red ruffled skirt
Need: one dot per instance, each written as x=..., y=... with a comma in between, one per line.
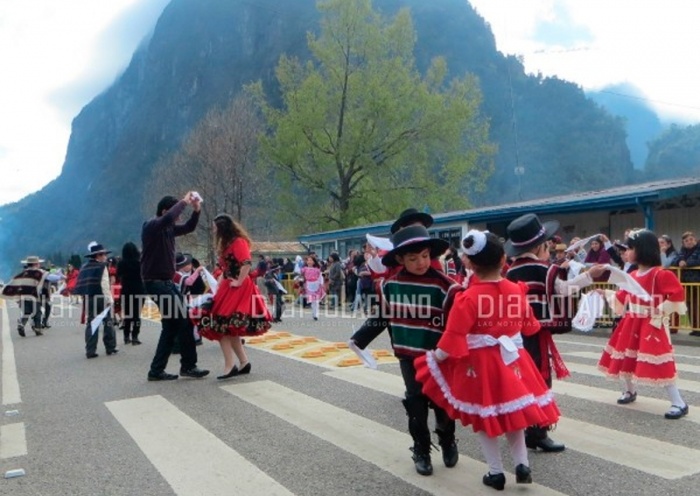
x=237, y=311
x=639, y=351
x=482, y=391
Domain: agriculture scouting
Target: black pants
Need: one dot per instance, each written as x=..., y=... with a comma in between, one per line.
x=94, y=305
x=532, y=346
x=131, y=314
x=30, y=309
x=46, y=303
x=173, y=311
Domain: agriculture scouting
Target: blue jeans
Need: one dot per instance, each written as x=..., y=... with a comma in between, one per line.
x=173, y=311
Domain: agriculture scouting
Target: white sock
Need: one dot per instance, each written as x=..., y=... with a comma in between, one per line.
x=675, y=395
x=629, y=385
x=518, y=450
x=314, y=308
x=489, y=447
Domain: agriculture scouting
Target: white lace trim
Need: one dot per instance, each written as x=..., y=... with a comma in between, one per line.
x=640, y=357
x=636, y=379
x=480, y=410
x=655, y=359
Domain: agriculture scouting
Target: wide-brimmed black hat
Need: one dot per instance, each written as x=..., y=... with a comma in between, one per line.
x=526, y=232
x=182, y=259
x=411, y=216
x=410, y=237
x=96, y=249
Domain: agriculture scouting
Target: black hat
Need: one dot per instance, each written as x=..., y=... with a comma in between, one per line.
x=411, y=216
x=412, y=236
x=182, y=259
x=526, y=232
x=96, y=249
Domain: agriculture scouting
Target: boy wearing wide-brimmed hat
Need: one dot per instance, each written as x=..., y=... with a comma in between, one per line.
x=415, y=301
x=26, y=287
x=93, y=285
x=548, y=296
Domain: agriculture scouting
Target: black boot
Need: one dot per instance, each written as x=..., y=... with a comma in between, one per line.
x=536, y=437
x=127, y=339
x=417, y=411
x=445, y=429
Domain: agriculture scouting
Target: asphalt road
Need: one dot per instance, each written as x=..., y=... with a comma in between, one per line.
x=303, y=426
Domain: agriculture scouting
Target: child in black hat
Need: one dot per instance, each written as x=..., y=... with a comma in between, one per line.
x=415, y=302
x=93, y=285
x=550, y=301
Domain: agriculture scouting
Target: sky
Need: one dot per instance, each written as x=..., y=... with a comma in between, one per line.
x=56, y=56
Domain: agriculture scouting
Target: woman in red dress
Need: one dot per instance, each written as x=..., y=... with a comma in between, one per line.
x=238, y=308
x=480, y=374
x=640, y=349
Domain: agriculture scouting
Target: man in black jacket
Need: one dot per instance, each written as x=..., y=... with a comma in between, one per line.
x=157, y=269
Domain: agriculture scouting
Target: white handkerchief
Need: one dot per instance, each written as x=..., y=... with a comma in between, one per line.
x=582, y=242
x=590, y=308
x=211, y=281
x=380, y=243
x=574, y=269
x=364, y=355
x=623, y=280
x=95, y=323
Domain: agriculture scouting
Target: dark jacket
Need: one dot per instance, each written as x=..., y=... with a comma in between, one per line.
x=158, y=241
x=692, y=259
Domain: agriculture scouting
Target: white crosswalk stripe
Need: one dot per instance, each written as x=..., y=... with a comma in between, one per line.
x=164, y=434
x=366, y=439
x=10, y=385
x=650, y=455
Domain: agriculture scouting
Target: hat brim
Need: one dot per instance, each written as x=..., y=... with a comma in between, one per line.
x=550, y=227
x=437, y=247
x=101, y=252
x=186, y=261
x=421, y=217
x=41, y=260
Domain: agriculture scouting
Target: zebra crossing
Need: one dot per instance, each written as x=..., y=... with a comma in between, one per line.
x=629, y=442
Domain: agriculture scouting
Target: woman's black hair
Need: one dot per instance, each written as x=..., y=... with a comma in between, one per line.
x=490, y=256
x=130, y=251
x=646, y=247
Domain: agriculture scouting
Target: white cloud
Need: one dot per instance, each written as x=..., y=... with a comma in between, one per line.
x=651, y=44
x=56, y=56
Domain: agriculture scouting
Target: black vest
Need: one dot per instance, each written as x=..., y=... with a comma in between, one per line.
x=89, y=281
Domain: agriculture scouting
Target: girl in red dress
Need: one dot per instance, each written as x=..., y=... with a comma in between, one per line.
x=640, y=349
x=238, y=308
x=480, y=374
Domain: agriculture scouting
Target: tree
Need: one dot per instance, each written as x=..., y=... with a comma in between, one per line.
x=361, y=134
x=217, y=160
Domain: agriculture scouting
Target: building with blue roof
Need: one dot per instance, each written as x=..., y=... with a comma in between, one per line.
x=666, y=207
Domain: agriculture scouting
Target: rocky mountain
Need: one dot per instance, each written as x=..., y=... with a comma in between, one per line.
x=203, y=51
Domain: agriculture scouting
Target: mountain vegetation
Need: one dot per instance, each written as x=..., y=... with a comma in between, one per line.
x=641, y=122
x=544, y=135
